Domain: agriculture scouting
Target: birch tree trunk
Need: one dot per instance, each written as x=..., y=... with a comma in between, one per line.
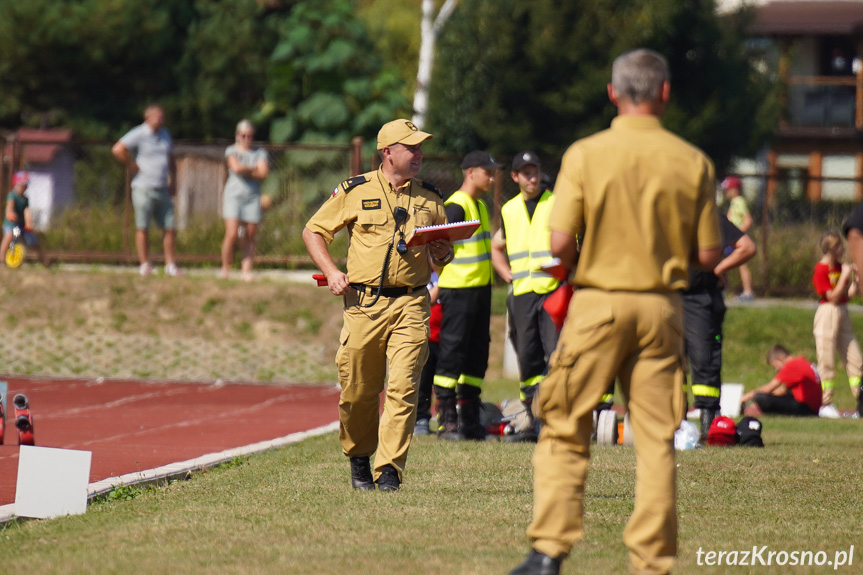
x=430, y=27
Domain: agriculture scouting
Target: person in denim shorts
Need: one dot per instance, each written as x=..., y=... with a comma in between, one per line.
x=248, y=167
x=148, y=152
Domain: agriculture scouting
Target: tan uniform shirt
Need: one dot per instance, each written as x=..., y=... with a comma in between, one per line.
x=641, y=199
x=364, y=204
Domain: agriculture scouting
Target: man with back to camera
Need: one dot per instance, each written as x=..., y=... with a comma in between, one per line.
x=518, y=249
x=385, y=333
x=465, y=296
x=641, y=200
x=148, y=152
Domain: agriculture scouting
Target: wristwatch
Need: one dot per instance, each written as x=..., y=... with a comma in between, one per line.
x=450, y=256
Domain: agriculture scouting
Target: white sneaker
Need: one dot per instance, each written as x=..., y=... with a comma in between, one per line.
x=145, y=269
x=829, y=411
x=173, y=271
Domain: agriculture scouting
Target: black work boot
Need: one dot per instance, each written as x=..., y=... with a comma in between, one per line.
x=707, y=417
x=361, y=474
x=447, y=414
x=469, y=405
x=388, y=480
x=538, y=564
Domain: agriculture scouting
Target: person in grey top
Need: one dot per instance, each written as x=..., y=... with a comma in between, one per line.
x=148, y=152
x=241, y=204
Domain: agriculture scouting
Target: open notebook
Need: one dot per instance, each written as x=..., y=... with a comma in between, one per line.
x=452, y=232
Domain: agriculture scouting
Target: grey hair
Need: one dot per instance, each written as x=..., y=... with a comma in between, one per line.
x=638, y=75
x=245, y=125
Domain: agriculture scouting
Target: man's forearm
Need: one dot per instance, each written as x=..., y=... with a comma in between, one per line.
x=317, y=247
x=565, y=248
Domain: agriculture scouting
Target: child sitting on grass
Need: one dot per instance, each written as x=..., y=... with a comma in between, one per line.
x=794, y=391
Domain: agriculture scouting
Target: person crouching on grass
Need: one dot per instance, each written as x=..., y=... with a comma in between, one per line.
x=795, y=390
x=18, y=214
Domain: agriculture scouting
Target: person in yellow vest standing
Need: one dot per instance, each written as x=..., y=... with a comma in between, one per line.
x=465, y=296
x=518, y=249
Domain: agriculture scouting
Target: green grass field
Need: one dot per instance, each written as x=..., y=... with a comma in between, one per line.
x=464, y=507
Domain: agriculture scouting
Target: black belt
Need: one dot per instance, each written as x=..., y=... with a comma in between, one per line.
x=385, y=292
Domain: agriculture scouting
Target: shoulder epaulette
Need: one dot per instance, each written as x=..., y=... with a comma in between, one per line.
x=428, y=186
x=349, y=184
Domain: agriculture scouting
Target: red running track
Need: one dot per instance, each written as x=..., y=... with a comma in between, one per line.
x=133, y=426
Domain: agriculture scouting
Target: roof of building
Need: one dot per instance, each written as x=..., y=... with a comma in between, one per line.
x=793, y=17
x=40, y=146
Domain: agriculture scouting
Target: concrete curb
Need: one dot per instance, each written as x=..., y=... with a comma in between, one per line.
x=182, y=469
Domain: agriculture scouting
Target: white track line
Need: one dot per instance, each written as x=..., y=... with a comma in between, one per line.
x=172, y=470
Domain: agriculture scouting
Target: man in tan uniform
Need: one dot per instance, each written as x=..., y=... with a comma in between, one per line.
x=386, y=301
x=641, y=201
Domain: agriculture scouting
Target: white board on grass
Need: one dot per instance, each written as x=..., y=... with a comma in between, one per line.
x=52, y=482
x=729, y=400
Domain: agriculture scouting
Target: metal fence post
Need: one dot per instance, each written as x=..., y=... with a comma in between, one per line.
x=357, y=155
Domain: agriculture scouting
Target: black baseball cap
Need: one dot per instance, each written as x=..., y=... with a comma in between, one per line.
x=749, y=432
x=525, y=159
x=480, y=159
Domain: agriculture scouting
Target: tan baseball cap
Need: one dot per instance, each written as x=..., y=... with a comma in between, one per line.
x=401, y=131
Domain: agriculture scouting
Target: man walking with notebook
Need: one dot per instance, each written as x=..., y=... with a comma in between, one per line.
x=386, y=303
x=465, y=296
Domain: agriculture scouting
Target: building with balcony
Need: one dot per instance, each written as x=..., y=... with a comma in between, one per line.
x=817, y=150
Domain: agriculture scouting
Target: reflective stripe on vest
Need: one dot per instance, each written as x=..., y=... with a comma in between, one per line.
x=471, y=266
x=528, y=244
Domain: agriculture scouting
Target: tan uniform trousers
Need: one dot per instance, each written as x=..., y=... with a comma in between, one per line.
x=637, y=338
x=394, y=331
x=833, y=333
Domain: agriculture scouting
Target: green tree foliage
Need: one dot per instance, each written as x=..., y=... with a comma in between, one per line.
x=93, y=65
x=87, y=64
x=327, y=82
x=395, y=29
x=223, y=70
x=513, y=75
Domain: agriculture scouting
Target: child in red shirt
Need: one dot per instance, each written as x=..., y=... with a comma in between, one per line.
x=794, y=391
x=834, y=283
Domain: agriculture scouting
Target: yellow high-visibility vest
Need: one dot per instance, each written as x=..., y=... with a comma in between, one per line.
x=471, y=266
x=528, y=244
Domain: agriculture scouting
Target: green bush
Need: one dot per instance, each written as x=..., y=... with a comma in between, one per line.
x=792, y=249
x=101, y=228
